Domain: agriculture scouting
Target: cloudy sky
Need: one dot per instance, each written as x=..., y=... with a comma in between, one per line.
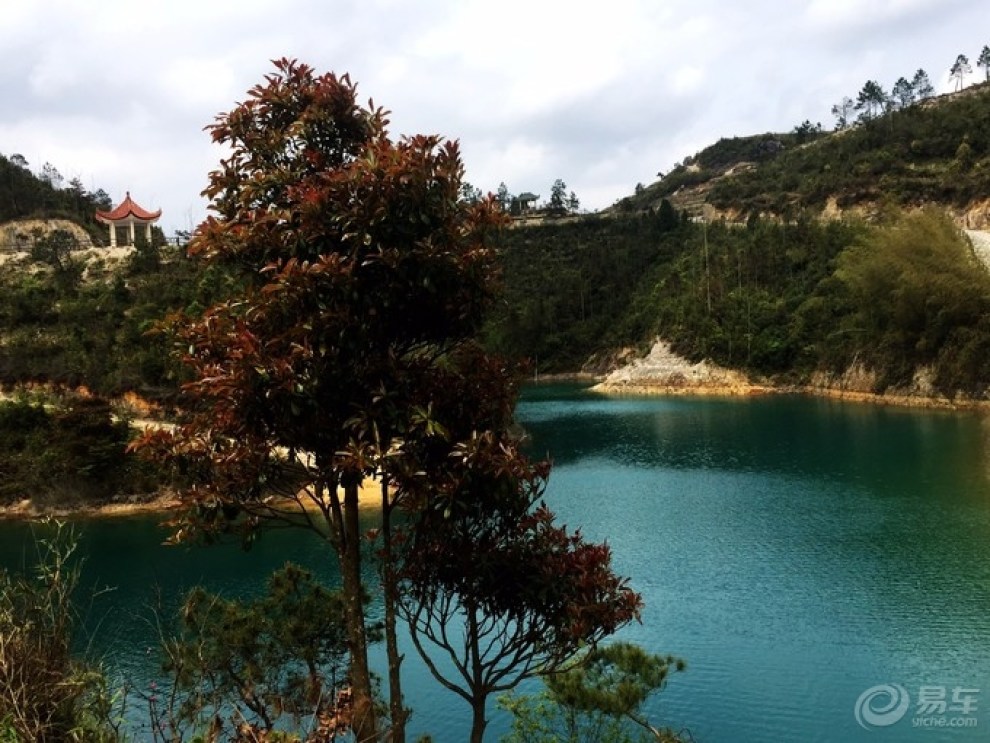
x=601, y=94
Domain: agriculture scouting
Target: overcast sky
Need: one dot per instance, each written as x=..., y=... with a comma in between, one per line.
x=601, y=94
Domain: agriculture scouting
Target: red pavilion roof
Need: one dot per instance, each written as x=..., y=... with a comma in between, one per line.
x=128, y=208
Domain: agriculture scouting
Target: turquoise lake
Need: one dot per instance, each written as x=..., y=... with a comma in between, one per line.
x=796, y=552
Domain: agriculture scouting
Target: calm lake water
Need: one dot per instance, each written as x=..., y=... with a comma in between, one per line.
x=796, y=552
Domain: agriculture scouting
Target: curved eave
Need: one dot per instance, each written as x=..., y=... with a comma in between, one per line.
x=128, y=211
x=138, y=218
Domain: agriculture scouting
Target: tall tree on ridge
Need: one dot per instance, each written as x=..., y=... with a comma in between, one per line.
x=922, y=85
x=558, y=197
x=960, y=68
x=903, y=92
x=842, y=111
x=503, y=197
x=984, y=61
x=872, y=100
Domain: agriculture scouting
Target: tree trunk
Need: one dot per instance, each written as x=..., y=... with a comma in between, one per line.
x=389, y=592
x=478, y=721
x=363, y=716
x=479, y=695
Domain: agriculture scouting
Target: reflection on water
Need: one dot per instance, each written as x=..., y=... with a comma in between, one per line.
x=795, y=551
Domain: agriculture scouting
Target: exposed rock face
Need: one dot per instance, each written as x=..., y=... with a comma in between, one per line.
x=975, y=216
x=860, y=383
x=17, y=236
x=605, y=362
x=664, y=372
x=980, y=240
x=859, y=379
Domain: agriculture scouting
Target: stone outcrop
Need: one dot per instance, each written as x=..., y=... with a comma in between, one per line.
x=662, y=371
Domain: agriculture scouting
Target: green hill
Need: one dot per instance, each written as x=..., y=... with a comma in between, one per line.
x=728, y=257
x=24, y=195
x=934, y=151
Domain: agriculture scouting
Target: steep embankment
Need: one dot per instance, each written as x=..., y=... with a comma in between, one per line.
x=18, y=235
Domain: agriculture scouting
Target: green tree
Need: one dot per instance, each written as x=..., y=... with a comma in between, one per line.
x=960, y=68
x=470, y=194
x=256, y=662
x=984, y=61
x=903, y=92
x=599, y=700
x=558, y=197
x=503, y=197
x=871, y=101
x=915, y=294
x=842, y=111
x=55, y=249
x=51, y=176
x=806, y=131
x=922, y=85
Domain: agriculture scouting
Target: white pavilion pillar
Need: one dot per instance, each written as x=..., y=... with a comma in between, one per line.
x=130, y=232
x=147, y=232
x=113, y=235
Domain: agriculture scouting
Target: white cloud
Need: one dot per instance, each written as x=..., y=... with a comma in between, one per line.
x=601, y=94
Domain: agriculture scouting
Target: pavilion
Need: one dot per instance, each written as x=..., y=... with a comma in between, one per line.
x=128, y=214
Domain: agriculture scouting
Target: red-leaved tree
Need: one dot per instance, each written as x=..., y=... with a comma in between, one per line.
x=494, y=591
x=349, y=354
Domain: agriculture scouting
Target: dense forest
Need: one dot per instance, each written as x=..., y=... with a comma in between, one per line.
x=776, y=299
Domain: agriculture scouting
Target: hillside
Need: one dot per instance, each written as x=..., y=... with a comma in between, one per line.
x=879, y=290
x=934, y=151
x=45, y=195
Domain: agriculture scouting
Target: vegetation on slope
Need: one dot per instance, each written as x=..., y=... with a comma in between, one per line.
x=25, y=195
x=764, y=297
x=778, y=299
x=936, y=151
x=93, y=330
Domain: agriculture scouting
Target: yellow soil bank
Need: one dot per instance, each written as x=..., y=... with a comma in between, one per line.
x=754, y=390
x=369, y=497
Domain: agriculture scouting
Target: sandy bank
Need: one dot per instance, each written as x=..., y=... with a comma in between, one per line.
x=369, y=497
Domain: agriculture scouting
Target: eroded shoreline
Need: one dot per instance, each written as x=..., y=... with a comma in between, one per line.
x=707, y=381
x=369, y=497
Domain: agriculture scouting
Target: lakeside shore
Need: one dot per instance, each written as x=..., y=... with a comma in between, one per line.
x=712, y=384
x=661, y=389
x=369, y=497
x=664, y=373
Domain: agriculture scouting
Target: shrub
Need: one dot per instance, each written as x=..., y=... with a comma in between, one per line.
x=47, y=694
